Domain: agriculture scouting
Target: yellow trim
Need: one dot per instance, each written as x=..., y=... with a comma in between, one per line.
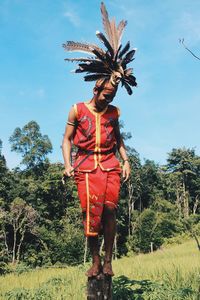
x=98, y=130
x=108, y=169
x=87, y=206
x=88, y=233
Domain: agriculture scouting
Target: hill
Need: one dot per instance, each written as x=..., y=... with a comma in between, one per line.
x=170, y=273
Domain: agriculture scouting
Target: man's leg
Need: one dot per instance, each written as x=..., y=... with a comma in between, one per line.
x=96, y=260
x=109, y=227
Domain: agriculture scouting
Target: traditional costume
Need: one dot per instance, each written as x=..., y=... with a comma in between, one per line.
x=98, y=174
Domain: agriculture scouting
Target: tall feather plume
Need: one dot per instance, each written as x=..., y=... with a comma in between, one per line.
x=81, y=47
x=106, y=42
x=81, y=59
x=120, y=29
x=106, y=23
x=115, y=37
x=109, y=64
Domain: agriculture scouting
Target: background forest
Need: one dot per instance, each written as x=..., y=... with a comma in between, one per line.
x=40, y=218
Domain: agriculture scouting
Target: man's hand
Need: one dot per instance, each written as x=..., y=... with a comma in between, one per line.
x=69, y=171
x=126, y=170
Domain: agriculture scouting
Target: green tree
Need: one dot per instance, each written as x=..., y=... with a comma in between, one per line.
x=31, y=144
x=22, y=219
x=151, y=185
x=6, y=181
x=183, y=163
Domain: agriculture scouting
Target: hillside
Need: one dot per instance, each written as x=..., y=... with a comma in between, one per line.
x=171, y=273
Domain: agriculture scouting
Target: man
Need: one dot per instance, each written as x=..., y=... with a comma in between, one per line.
x=93, y=126
x=106, y=176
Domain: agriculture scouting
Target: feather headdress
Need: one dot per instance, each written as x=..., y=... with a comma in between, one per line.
x=110, y=64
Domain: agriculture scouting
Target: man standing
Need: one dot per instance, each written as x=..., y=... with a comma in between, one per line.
x=94, y=129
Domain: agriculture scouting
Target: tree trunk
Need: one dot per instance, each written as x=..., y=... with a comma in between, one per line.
x=101, y=247
x=197, y=241
x=14, y=244
x=178, y=201
x=151, y=246
x=85, y=252
x=19, y=246
x=5, y=241
x=185, y=202
x=115, y=248
x=99, y=287
x=196, y=203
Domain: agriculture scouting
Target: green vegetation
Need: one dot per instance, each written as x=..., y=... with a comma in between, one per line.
x=171, y=273
x=41, y=223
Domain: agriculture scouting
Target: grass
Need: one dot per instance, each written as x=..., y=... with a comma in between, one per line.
x=169, y=274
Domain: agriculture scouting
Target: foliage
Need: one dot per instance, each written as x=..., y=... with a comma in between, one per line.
x=171, y=273
x=41, y=221
x=31, y=144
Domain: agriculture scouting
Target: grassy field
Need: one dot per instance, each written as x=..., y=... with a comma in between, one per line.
x=172, y=273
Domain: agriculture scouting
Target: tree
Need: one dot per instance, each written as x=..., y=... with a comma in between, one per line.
x=22, y=219
x=151, y=183
x=31, y=144
x=183, y=163
x=6, y=181
x=3, y=167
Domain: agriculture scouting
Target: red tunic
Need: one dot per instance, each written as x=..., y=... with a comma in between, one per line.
x=95, y=131
x=98, y=177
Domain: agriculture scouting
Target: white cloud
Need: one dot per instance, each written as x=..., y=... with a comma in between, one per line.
x=72, y=17
x=40, y=92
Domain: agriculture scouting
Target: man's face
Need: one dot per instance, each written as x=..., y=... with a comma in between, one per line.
x=105, y=95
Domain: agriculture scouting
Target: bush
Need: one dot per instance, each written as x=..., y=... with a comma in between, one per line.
x=18, y=294
x=4, y=268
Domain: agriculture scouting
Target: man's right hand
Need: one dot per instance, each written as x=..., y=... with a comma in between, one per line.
x=69, y=171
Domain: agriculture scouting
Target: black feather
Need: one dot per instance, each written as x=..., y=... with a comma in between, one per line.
x=93, y=68
x=131, y=80
x=129, y=57
x=98, y=54
x=95, y=77
x=116, y=55
x=128, y=88
x=124, y=50
x=103, y=39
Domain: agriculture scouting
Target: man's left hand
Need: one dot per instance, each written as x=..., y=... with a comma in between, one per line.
x=126, y=170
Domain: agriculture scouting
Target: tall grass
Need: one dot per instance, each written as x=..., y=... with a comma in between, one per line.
x=169, y=274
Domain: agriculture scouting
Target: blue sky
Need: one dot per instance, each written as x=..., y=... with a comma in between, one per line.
x=36, y=83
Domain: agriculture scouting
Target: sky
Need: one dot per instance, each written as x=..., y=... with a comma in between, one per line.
x=36, y=83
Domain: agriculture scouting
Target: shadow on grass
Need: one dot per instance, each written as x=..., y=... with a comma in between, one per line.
x=128, y=289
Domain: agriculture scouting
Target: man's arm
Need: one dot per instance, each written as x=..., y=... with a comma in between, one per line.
x=126, y=170
x=66, y=144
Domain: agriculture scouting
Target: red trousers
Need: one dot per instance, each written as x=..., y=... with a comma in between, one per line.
x=97, y=189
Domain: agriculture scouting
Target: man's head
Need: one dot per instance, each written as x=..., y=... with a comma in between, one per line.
x=104, y=93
